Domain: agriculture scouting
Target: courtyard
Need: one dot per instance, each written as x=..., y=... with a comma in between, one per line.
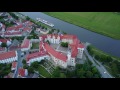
x=59, y=48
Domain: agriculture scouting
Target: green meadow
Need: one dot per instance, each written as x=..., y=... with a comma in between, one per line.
x=105, y=23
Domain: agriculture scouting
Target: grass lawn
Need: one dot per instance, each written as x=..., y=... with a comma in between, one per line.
x=35, y=46
x=44, y=72
x=106, y=23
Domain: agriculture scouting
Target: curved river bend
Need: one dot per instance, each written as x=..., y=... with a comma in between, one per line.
x=104, y=43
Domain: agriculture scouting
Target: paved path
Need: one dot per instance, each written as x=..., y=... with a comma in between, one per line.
x=100, y=67
x=19, y=63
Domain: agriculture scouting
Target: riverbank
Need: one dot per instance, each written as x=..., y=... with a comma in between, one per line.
x=111, y=63
x=105, y=23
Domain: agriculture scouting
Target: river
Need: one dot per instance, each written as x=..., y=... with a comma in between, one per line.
x=106, y=44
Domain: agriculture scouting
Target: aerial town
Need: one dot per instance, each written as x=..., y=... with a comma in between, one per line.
x=33, y=49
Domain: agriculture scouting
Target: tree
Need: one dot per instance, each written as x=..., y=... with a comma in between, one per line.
x=30, y=69
x=62, y=75
x=3, y=45
x=48, y=42
x=78, y=66
x=89, y=74
x=25, y=66
x=64, y=32
x=35, y=65
x=80, y=73
x=109, y=59
x=56, y=72
x=24, y=61
x=94, y=70
x=27, y=18
x=64, y=44
x=43, y=27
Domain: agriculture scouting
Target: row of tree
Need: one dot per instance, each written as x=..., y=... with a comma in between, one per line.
x=114, y=65
x=13, y=15
x=5, y=69
x=85, y=70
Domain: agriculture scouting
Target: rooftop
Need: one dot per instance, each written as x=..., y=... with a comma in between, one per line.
x=7, y=55
x=56, y=54
x=25, y=43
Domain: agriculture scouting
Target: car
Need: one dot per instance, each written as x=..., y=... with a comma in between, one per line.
x=104, y=72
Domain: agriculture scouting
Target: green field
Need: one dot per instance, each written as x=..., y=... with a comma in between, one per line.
x=106, y=23
x=35, y=46
x=43, y=72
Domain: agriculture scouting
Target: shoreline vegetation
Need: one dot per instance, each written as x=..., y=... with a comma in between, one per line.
x=111, y=63
x=105, y=23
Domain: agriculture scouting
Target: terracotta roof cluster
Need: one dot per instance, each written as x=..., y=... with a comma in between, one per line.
x=68, y=36
x=74, y=45
x=13, y=33
x=43, y=37
x=16, y=28
x=35, y=55
x=3, y=40
x=14, y=64
x=54, y=35
x=56, y=54
x=2, y=48
x=7, y=55
x=27, y=29
x=28, y=23
x=21, y=72
x=25, y=43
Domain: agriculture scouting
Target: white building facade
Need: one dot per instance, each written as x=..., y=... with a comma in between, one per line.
x=8, y=57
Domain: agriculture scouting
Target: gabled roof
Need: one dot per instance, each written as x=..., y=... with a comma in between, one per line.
x=2, y=48
x=25, y=43
x=35, y=55
x=68, y=36
x=56, y=54
x=7, y=55
x=14, y=64
x=21, y=72
x=13, y=33
x=81, y=45
x=43, y=37
x=4, y=40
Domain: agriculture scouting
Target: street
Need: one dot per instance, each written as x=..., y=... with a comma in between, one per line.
x=19, y=63
x=100, y=67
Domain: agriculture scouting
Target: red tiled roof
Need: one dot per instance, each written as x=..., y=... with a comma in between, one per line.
x=43, y=37
x=14, y=27
x=19, y=26
x=26, y=29
x=14, y=64
x=25, y=43
x=74, y=51
x=52, y=35
x=68, y=36
x=81, y=45
x=2, y=48
x=35, y=55
x=13, y=33
x=3, y=40
x=7, y=55
x=11, y=28
x=21, y=72
x=3, y=26
x=56, y=54
x=28, y=23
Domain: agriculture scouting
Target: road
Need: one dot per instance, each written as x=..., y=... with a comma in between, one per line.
x=19, y=63
x=104, y=73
